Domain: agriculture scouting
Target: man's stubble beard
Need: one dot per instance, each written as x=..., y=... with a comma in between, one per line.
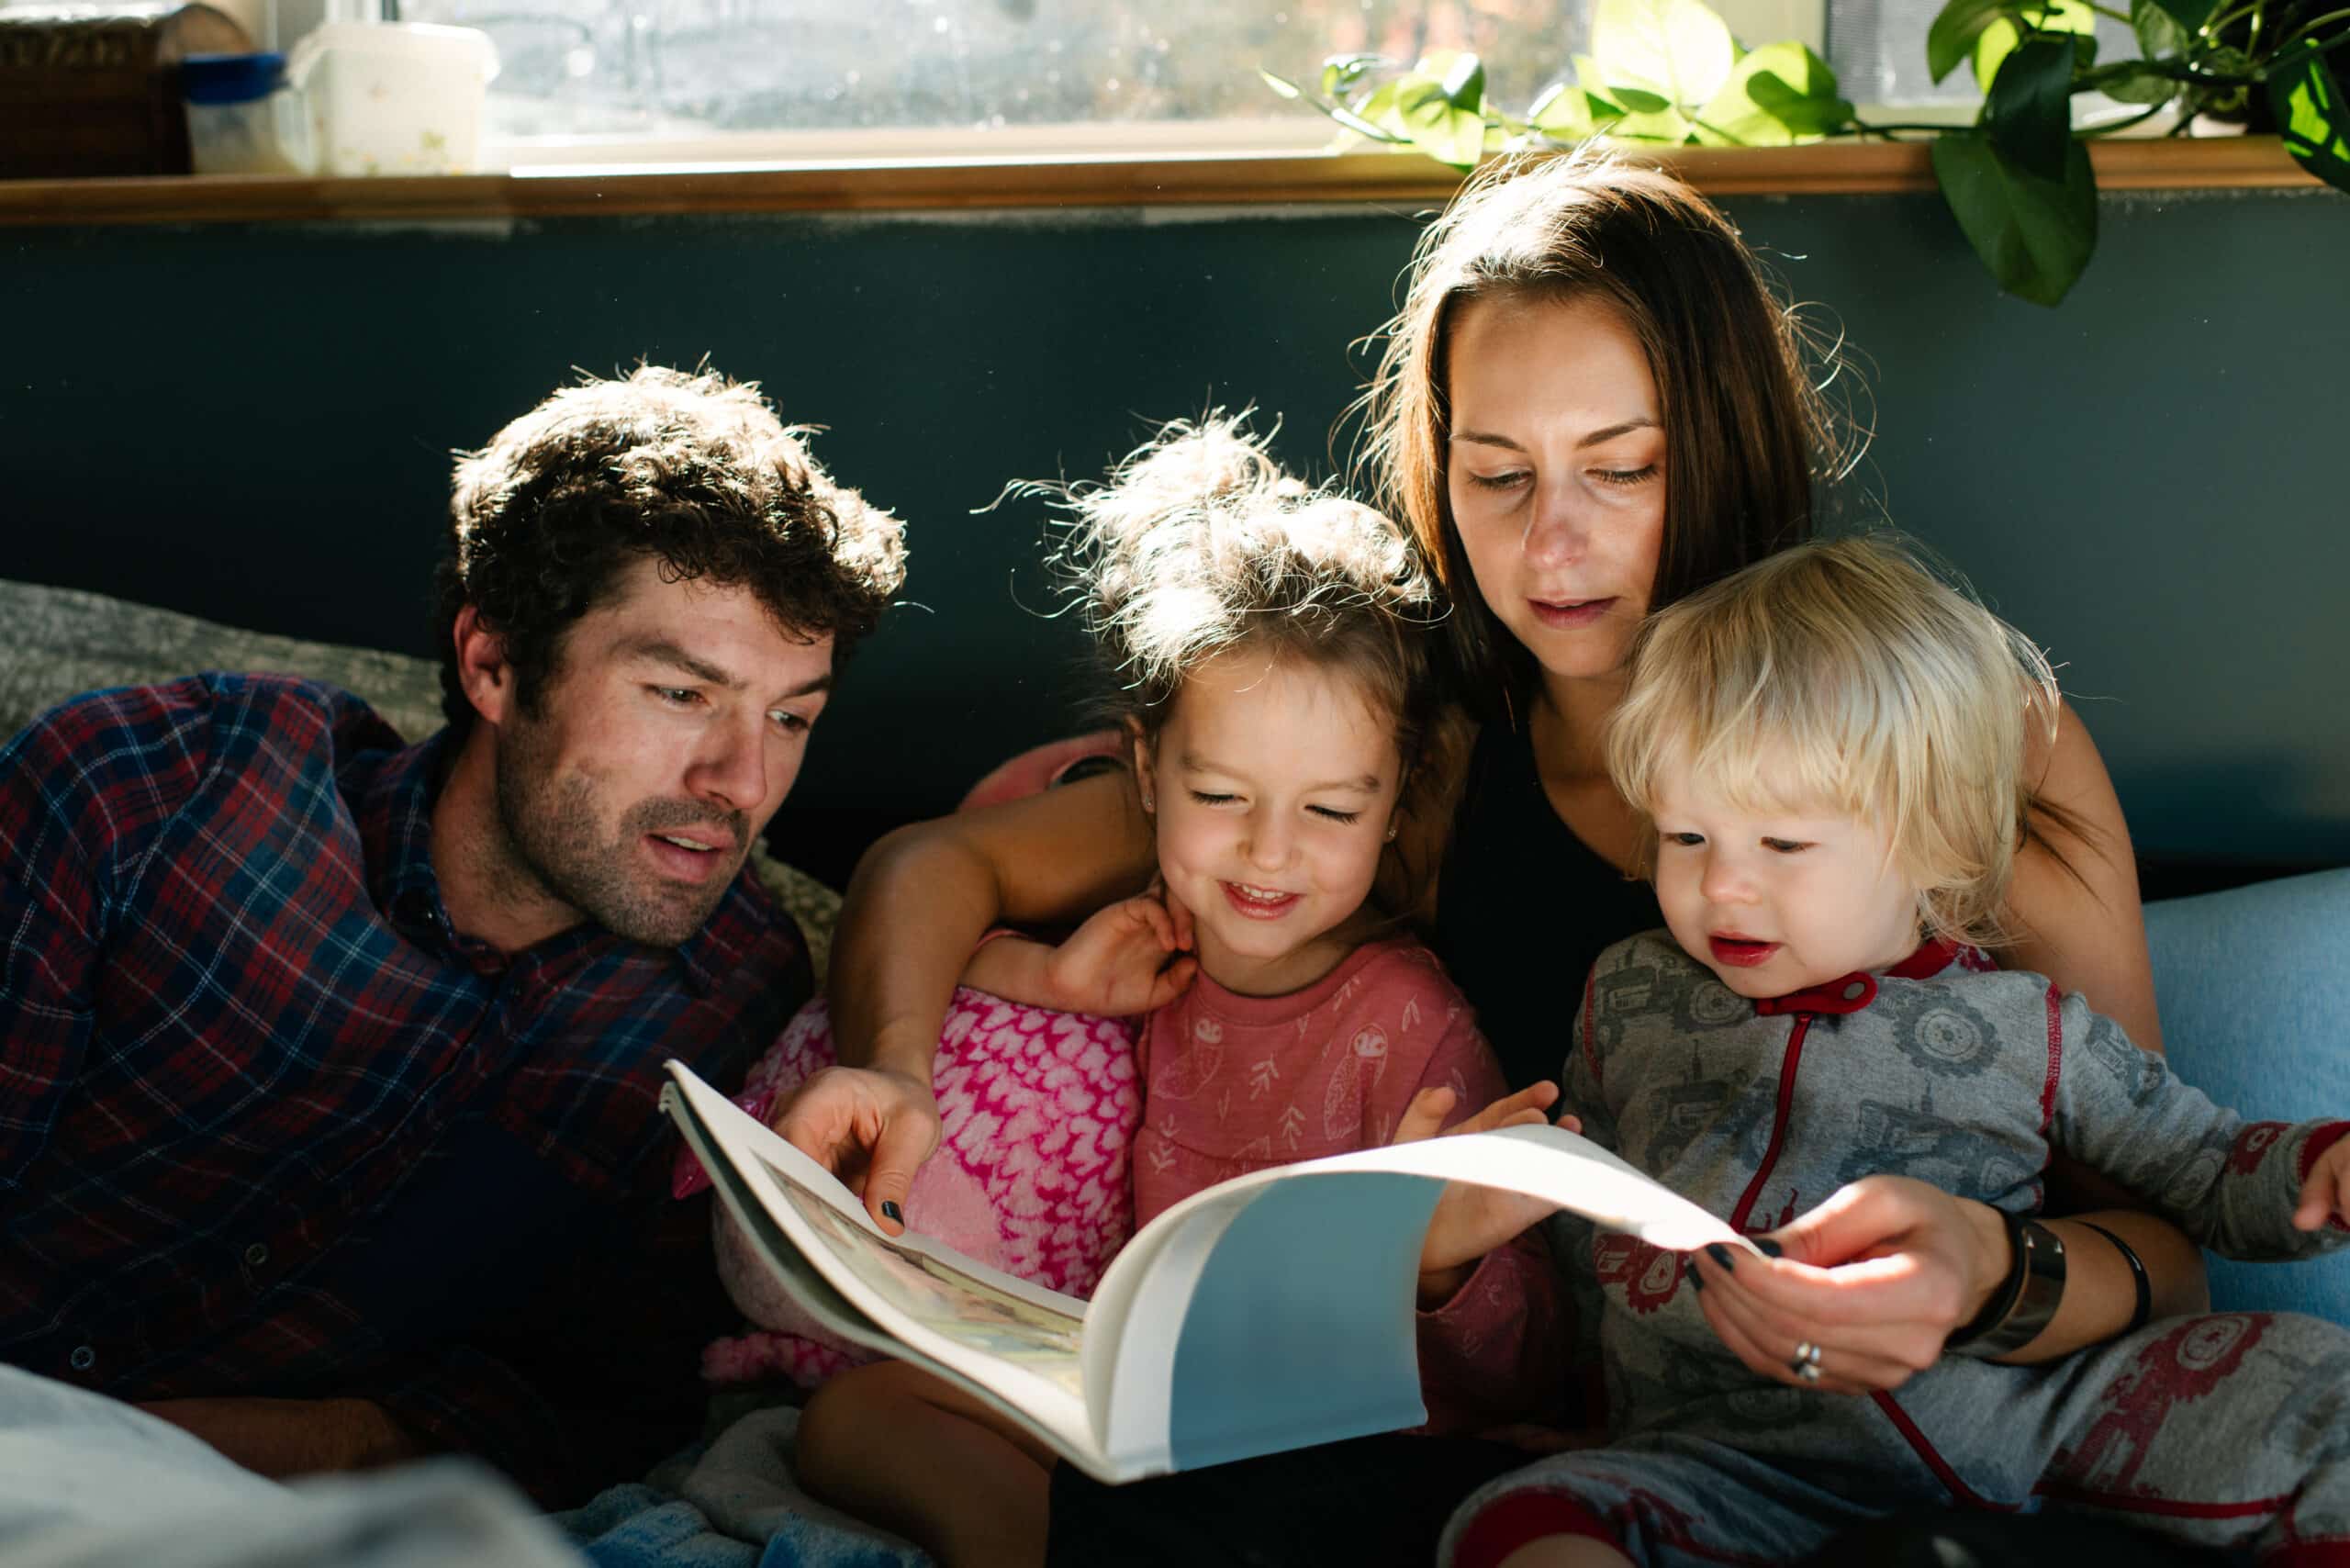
x=548, y=827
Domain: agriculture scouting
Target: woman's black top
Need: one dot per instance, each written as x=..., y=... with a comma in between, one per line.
x=1524, y=908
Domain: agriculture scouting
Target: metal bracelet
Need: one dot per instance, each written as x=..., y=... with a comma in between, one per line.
x=2033, y=1290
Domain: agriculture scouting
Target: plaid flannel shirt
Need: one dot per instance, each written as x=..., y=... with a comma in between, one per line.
x=269, y=1127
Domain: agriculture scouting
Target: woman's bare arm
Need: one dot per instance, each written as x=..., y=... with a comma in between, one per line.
x=2077, y=919
x=925, y=895
x=919, y=899
x=2080, y=924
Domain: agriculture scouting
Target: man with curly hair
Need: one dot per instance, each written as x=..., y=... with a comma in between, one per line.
x=327, y=1103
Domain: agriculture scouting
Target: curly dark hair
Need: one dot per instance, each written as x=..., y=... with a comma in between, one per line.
x=691, y=469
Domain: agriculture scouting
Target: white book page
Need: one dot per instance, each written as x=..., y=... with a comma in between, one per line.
x=1133, y=1333
x=1014, y=1343
x=1550, y=1162
x=1138, y=1312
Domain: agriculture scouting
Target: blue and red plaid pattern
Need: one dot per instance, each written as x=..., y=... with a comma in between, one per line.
x=234, y=1026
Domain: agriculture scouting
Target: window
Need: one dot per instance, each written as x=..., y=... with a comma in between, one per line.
x=712, y=80
x=998, y=74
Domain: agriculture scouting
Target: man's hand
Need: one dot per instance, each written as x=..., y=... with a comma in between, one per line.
x=870, y=1127
x=2327, y=1194
x=1129, y=959
x=281, y=1438
x=1471, y=1221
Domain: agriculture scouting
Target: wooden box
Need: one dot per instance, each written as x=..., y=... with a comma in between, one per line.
x=95, y=89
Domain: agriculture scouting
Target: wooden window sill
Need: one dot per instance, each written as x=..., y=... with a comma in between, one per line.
x=1213, y=179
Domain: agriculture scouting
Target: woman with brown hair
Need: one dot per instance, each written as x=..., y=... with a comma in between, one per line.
x=1589, y=404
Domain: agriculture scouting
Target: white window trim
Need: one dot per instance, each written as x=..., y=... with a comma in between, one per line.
x=1300, y=130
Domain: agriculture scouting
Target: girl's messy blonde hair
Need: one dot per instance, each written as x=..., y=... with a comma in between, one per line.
x=1847, y=676
x=1199, y=544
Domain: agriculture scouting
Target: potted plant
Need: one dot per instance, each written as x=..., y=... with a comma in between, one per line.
x=2017, y=180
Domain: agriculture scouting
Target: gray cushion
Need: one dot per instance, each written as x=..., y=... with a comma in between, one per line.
x=62, y=642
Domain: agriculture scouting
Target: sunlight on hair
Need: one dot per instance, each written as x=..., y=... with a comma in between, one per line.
x=1847, y=676
x=1198, y=543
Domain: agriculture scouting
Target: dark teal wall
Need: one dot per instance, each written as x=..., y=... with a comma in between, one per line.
x=255, y=425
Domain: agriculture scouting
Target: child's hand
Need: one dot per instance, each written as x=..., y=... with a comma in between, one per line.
x=1117, y=964
x=2327, y=1194
x=1471, y=1221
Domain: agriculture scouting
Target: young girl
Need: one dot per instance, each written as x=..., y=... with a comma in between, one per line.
x=1827, y=748
x=1272, y=647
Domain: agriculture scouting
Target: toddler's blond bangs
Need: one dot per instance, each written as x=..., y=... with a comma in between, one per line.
x=1846, y=677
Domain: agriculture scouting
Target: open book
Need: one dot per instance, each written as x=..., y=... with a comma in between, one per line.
x=1269, y=1311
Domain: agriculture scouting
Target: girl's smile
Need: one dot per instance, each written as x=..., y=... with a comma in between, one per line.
x=1259, y=903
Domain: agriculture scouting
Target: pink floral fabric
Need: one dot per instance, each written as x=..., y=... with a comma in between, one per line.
x=1037, y=1112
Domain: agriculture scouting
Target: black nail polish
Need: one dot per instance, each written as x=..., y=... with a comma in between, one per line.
x=890, y=1210
x=1768, y=1247
x=1721, y=1255
x=1697, y=1280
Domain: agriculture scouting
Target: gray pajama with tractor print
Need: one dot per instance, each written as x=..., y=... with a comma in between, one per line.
x=2227, y=1430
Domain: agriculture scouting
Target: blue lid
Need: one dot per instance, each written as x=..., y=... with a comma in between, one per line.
x=230, y=78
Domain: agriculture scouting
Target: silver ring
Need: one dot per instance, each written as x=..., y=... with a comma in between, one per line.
x=1805, y=1362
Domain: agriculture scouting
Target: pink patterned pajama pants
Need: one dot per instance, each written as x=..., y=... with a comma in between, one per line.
x=1037, y=1112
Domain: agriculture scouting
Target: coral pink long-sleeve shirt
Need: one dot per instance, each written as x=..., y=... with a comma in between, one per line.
x=1234, y=1083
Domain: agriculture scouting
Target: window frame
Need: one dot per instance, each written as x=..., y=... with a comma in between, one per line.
x=1391, y=180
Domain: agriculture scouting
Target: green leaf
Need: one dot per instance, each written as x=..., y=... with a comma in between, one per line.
x=1438, y=127
x=2158, y=31
x=1776, y=95
x=2000, y=40
x=1678, y=50
x=1665, y=125
x=1606, y=114
x=2139, y=87
x=2312, y=116
x=1341, y=71
x=1640, y=101
x=2028, y=110
x=1795, y=86
x=1561, y=113
x=1951, y=36
x=1286, y=89
x=1464, y=82
x=1379, y=109
x=2034, y=235
x=2190, y=14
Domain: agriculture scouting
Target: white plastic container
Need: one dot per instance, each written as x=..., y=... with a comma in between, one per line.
x=393, y=97
x=241, y=120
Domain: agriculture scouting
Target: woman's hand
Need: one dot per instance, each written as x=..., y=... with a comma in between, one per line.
x=870, y=1127
x=1875, y=1278
x=1471, y=1221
